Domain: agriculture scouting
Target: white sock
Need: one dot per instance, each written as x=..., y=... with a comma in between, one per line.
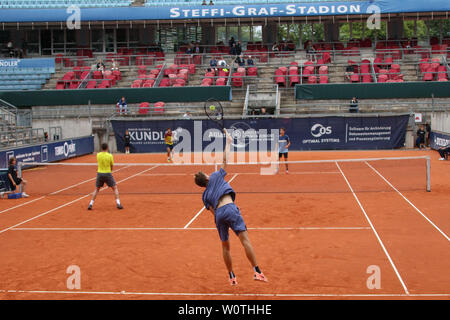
x=91, y=203
x=118, y=201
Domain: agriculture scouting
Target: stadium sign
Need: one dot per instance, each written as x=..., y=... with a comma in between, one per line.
x=264, y=11
x=162, y=12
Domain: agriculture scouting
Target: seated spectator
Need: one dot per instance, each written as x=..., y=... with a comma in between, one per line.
x=310, y=51
x=100, y=66
x=420, y=141
x=275, y=47
x=250, y=61
x=197, y=49
x=211, y=3
x=187, y=115
x=114, y=65
x=240, y=61
x=444, y=152
x=263, y=112
x=354, y=105
x=204, y=3
x=349, y=71
x=222, y=63
x=122, y=106
x=213, y=63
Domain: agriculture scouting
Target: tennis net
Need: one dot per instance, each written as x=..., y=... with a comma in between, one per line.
x=313, y=176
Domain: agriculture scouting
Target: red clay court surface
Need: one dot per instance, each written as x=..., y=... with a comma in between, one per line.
x=311, y=245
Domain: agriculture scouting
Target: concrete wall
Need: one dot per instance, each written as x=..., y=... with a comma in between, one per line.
x=71, y=127
x=440, y=121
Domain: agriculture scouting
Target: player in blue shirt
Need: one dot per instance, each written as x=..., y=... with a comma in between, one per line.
x=283, y=146
x=218, y=198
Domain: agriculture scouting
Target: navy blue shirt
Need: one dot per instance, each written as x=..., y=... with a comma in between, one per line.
x=216, y=188
x=283, y=141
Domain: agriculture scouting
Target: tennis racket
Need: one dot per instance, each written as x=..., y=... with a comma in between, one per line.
x=214, y=111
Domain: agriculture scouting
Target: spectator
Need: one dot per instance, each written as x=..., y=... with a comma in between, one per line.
x=263, y=112
x=444, y=152
x=275, y=47
x=197, y=49
x=114, y=65
x=420, y=141
x=231, y=42
x=250, y=61
x=310, y=51
x=204, y=3
x=233, y=50
x=354, y=105
x=46, y=136
x=127, y=139
x=222, y=63
x=122, y=106
x=240, y=61
x=211, y=3
x=213, y=63
x=189, y=49
x=187, y=115
x=100, y=66
x=349, y=71
x=238, y=48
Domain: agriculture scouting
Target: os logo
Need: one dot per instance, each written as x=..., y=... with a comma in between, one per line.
x=319, y=130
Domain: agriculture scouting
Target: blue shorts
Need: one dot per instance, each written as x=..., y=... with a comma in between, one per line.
x=228, y=217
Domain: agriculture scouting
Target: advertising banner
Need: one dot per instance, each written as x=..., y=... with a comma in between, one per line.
x=49, y=152
x=320, y=133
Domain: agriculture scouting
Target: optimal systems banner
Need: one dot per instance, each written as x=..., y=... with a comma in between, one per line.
x=268, y=10
x=49, y=152
x=321, y=133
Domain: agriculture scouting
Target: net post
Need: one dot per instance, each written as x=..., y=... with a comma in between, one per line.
x=428, y=174
x=19, y=171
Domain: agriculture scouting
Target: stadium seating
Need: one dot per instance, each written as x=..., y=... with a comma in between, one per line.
x=24, y=78
x=44, y=4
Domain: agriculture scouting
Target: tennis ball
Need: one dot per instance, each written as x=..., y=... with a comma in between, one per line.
x=212, y=108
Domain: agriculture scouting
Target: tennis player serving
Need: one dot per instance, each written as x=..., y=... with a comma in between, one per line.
x=218, y=198
x=105, y=162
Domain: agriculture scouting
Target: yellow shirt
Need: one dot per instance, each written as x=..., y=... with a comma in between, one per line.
x=105, y=161
x=168, y=138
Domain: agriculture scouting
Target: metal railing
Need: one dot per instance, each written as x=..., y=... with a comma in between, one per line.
x=21, y=137
x=8, y=112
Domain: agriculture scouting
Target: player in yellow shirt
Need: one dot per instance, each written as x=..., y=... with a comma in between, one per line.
x=168, y=139
x=105, y=162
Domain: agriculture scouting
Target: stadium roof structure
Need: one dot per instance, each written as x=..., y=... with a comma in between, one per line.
x=245, y=11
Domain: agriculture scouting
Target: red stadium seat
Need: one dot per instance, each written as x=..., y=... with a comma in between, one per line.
x=91, y=84
x=323, y=79
x=382, y=78
x=148, y=83
x=236, y=80
x=354, y=78
x=144, y=108
x=252, y=71
x=221, y=82
x=159, y=107
x=312, y=79
x=136, y=84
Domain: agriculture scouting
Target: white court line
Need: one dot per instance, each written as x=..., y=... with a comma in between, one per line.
x=412, y=205
x=299, y=295
x=374, y=231
x=69, y=203
x=186, y=229
x=53, y=193
x=203, y=208
x=242, y=173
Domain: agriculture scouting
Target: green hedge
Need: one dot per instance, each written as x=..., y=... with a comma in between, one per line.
x=111, y=96
x=395, y=90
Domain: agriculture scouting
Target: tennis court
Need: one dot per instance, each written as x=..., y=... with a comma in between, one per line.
x=315, y=231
